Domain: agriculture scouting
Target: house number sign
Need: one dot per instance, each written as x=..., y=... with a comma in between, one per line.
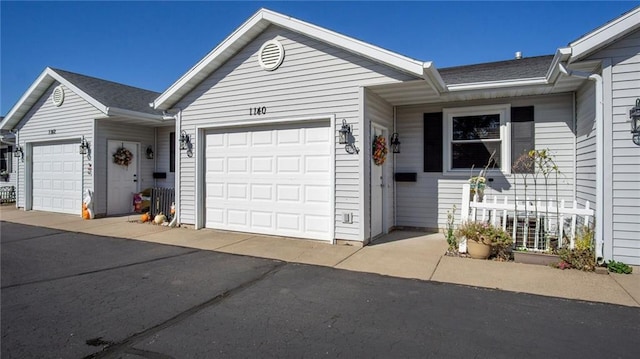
x=52, y=132
x=257, y=111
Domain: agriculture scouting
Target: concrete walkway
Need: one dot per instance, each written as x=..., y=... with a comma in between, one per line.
x=400, y=254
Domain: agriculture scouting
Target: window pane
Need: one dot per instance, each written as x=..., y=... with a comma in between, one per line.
x=476, y=127
x=466, y=155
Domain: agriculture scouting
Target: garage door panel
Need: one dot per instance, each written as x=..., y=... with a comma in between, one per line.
x=270, y=180
x=57, y=178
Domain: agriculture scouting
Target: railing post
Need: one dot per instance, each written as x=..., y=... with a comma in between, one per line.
x=464, y=215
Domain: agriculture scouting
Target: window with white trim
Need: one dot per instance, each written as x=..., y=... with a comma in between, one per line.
x=474, y=135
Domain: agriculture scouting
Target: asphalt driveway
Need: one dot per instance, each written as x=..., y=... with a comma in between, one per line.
x=72, y=295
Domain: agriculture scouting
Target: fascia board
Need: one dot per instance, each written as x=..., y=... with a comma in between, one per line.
x=264, y=16
x=95, y=103
x=432, y=76
x=498, y=84
x=161, y=101
x=12, y=117
x=561, y=55
x=605, y=34
x=114, y=111
x=378, y=54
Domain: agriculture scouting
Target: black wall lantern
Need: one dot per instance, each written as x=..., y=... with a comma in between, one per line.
x=395, y=143
x=84, y=146
x=634, y=114
x=17, y=152
x=345, y=138
x=149, y=152
x=185, y=143
x=345, y=133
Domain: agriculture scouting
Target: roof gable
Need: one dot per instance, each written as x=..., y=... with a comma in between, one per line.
x=605, y=35
x=108, y=97
x=258, y=23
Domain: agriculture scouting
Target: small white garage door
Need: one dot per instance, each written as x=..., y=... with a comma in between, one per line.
x=271, y=180
x=57, y=178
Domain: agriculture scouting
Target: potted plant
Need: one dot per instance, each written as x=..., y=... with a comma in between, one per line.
x=483, y=239
x=4, y=175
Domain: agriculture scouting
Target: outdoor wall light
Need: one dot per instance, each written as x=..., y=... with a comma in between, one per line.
x=634, y=114
x=185, y=141
x=149, y=152
x=84, y=146
x=395, y=143
x=345, y=138
x=18, y=152
x=345, y=132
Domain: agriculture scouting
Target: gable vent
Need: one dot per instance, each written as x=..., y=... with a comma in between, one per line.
x=271, y=55
x=58, y=96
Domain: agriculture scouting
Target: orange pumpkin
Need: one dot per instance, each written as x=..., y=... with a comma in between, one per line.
x=144, y=217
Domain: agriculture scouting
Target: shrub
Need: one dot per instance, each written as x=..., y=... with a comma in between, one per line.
x=582, y=259
x=619, y=267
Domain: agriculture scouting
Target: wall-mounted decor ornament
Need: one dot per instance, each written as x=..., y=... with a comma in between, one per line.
x=122, y=157
x=379, y=150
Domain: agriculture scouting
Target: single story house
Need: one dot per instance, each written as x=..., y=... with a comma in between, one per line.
x=67, y=127
x=282, y=130
x=264, y=110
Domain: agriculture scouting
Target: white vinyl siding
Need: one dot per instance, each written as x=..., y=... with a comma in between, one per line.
x=314, y=81
x=425, y=203
x=72, y=120
x=622, y=193
x=113, y=129
x=586, y=145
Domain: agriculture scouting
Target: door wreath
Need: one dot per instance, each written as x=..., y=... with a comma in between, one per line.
x=379, y=150
x=122, y=157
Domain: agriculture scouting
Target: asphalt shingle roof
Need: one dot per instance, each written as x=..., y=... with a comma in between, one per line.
x=113, y=94
x=528, y=67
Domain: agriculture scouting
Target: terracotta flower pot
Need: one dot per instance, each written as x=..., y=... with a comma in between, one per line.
x=478, y=250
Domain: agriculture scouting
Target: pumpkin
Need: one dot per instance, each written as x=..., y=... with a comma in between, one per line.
x=144, y=217
x=160, y=218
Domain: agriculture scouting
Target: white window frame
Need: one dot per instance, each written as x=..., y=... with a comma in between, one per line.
x=503, y=110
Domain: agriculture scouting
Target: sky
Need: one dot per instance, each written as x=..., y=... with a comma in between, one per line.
x=150, y=44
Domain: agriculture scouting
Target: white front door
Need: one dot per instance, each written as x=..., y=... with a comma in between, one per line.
x=122, y=181
x=377, y=187
x=271, y=179
x=57, y=178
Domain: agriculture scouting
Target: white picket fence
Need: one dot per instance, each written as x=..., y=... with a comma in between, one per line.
x=535, y=218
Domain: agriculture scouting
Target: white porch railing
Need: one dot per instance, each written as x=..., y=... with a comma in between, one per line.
x=532, y=224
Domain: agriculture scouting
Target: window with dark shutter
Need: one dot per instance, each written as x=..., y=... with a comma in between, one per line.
x=522, y=138
x=433, y=142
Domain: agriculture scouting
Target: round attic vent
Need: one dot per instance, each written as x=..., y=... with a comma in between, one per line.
x=271, y=55
x=58, y=96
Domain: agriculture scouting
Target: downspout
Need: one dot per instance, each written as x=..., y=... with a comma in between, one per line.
x=599, y=217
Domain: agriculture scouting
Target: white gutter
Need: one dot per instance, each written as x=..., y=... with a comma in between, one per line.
x=498, y=84
x=114, y=111
x=599, y=232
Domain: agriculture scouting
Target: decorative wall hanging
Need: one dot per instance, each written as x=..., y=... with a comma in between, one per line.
x=122, y=157
x=379, y=150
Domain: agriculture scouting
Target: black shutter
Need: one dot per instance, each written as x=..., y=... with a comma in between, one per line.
x=172, y=152
x=433, y=142
x=522, y=136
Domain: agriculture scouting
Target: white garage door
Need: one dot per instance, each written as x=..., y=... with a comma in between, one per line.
x=57, y=178
x=270, y=180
